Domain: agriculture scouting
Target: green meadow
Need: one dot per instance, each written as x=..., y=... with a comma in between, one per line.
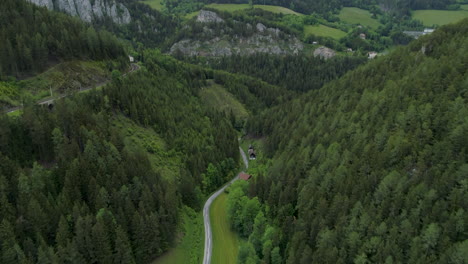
x=237, y=7
x=155, y=4
x=354, y=15
x=324, y=31
x=215, y=96
x=440, y=17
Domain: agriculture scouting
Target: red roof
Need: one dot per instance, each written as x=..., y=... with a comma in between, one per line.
x=244, y=176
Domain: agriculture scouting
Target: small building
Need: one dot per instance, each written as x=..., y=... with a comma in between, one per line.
x=362, y=36
x=252, y=155
x=244, y=176
x=372, y=54
x=349, y=50
x=131, y=59
x=315, y=43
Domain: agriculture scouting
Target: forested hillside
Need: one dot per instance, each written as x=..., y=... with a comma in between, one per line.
x=77, y=186
x=372, y=168
x=296, y=73
x=33, y=38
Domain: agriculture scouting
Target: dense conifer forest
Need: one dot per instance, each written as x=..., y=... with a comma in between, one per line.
x=373, y=166
x=33, y=37
x=361, y=161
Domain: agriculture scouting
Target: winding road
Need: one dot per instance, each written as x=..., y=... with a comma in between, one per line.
x=133, y=67
x=206, y=213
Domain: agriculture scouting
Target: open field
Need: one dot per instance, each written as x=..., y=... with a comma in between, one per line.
x=189, y=249
x=354, y=15
x=217, y=97
x=225, y=241
x=440, y=17
x=324, y=31
x=155, y=4
x=236, y=7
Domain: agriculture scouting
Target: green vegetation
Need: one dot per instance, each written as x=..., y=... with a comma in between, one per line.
x=190, y=242
x=163, y=161
x=354, y=15
x=217, y=97
x=65, y=77
x=93, y=184
x=229, y=7
x=324, y=31
x=225, y=241
x=373, y=161
x=439, y=17
x=278, y=9
x=155, y=4
x=28, y=49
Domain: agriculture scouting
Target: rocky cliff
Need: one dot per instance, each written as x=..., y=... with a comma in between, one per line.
x=221, y=38
x=88, y=10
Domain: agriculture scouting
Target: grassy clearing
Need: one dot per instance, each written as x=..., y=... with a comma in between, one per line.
x=166, y=162
x=61, y=78
x=324, y=31
x=225, y=241
x=237, y=7
x=217, y=97
x=228, y=7
x=278, y=9
x=439, y=17
x=354, y=15
x=155, y=4
x=189, y=248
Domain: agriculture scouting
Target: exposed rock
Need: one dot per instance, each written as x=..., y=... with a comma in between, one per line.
x=217, y=46
x=87, y=11
x=208, y=17
x=46, y=3
x=261, y=27
x=324, y=53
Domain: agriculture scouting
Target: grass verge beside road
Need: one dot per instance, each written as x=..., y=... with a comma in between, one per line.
x=225, y=241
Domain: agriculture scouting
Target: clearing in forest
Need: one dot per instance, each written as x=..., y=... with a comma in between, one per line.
x=440, y=17
x=354, y=15
x=155, y=4
x=324, y=31
x=217, y=97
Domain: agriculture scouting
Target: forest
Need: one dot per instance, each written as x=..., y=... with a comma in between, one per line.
x=372, y=167
x=362, y=161
x=33, y=37
x=74, y=189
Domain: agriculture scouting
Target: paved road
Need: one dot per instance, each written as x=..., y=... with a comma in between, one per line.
x=133, y=67
x=206, y=214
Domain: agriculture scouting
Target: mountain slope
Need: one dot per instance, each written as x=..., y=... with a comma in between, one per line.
x=373, y=167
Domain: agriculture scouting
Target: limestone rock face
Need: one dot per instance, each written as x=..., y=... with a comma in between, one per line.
x=324, y=53
x=87, y=11
x=208, y=17
x=49, y=4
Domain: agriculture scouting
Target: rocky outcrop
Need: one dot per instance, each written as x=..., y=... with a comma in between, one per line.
x=324, y=53
x=88, y=10
x=224, y=46
x=208, y=17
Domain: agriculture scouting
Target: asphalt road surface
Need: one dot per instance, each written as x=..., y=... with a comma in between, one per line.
x=206, y=214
